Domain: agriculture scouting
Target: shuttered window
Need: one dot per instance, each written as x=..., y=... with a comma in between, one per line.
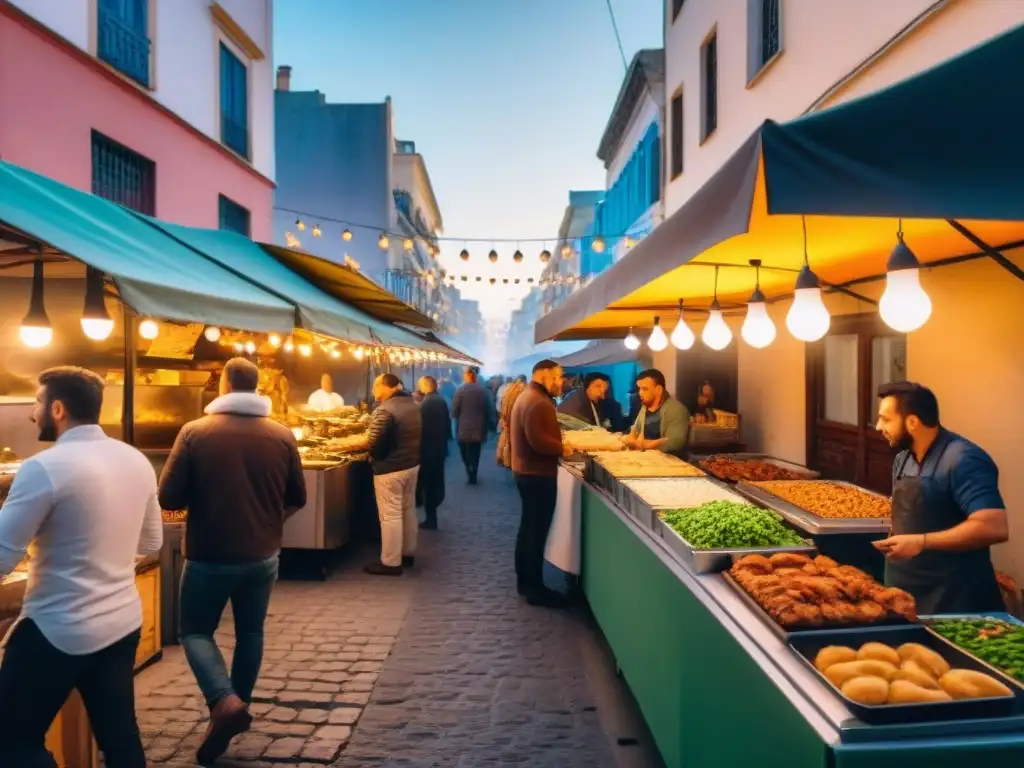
x=234, y=102
x=122, y=37
x=676, y=126
x=234, y=217
x=709, y=72
x=123, y=176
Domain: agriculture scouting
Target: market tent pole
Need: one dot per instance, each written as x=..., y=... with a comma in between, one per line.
x=131, y=350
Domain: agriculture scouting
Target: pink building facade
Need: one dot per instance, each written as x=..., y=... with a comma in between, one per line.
x=64, y=111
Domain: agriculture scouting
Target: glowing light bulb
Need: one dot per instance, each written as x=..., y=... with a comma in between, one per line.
x=250, y=347
x=904, y=305
x=359, y=353
x=305, y=350
x=148, y=329
x=335, y=354
x=657, y=341
x=758, y=329
x=212, y=333
x=289, y=346
x=383, y=242
x=35, y=336
x=346, y=236
x=716, y=333
x=274, y=339
x=632, y=342
x=808, y=319
x=682, y=336
x=97, y=328
x=239, y=347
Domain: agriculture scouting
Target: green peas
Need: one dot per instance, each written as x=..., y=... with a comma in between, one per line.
x=729, y=525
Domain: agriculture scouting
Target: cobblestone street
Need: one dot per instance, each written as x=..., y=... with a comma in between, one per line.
x=444, y=666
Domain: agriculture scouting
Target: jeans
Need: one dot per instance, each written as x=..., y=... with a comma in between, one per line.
x=35, y=681
x=396, y=504
x=539, y=495
x=206, y=589
x=471, y=458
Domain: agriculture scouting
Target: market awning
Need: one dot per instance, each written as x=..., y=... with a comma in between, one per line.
x=350, y=286
x=318, y=311
x=599, y=353
x=452, y=350
x=154, y=274
x=917, y=151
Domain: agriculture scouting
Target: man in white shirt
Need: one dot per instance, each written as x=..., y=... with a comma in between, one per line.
x=82, y=511
x=325, y=398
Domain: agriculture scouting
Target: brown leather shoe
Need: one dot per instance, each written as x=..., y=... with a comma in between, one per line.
x=229, y=717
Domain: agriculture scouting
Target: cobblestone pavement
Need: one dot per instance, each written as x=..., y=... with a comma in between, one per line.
x=444, y=666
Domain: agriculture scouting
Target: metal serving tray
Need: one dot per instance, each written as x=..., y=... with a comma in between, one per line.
x=927, y=622
x=813, y=524
x=804, y=472
x=716, y=560
x=807, y=644
x=704, y=489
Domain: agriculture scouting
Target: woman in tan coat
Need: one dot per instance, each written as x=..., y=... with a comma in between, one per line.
x=512, y=391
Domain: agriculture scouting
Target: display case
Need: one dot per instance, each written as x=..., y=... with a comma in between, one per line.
x=165, y=401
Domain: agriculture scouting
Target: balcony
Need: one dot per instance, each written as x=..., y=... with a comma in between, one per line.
x=234, y=135
x=122, y=47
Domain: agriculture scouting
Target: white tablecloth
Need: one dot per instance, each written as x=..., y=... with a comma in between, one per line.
x=563, y=547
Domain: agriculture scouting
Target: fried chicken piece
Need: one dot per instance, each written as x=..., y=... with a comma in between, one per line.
x=831, y=612
x=869, y=612
x=825, y=563
x=789, y=560
x=753, y=563
x=855, y=590
x=844, y=572
x=787, y=571
x=812, y=570
x=897, y=601
x=808, y=614
x=847, y=612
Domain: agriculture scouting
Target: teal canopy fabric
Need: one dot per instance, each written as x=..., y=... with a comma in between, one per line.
x=944, y=144
x=154, y=274
x=318, y=312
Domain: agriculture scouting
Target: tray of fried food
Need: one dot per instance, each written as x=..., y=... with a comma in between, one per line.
x=829, y=498
x=645, y=464
x=795, y=592
x=904, y=675
x=745, y=467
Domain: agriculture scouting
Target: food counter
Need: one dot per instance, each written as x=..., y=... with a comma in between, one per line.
x=716, y=684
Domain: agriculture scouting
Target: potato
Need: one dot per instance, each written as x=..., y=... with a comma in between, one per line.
x=968, y=684
x=833, y=654
x=838, y=674
x=866, y=690
x=905, y=692
x=932, y=662
x=918, y=675
x=879, y=652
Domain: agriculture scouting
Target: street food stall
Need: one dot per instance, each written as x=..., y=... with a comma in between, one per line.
x=881, y=263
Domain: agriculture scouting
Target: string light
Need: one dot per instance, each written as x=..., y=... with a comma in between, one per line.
x=682, y=337
x=545, y=256
x=275, y=340
x=347, y=235
x=408, y=244
x=250, y=347
x=316, y=231
x=305, y=350
x=904, y=305
x=383, y=242
x=716, y=333
x=657, y=341
x=807, y=319
x=517, y=257
x=597, y=245
x=758, y=329
x=492, y=256
x=148, y=329
x=464, y=255
x=566, y=251
x=299, y=225
x=632, y=341
x=291, y=240
x=289, y=346
x=212, y=333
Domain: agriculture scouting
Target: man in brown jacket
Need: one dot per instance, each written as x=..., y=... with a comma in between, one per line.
x=536, y=448
x=239, y=475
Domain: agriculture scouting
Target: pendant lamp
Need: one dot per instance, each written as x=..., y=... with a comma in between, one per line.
x=758, y=329
x=904, y=305
x=807, y=319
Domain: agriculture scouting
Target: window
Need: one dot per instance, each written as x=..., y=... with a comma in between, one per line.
x=676, y=125
x=764, y=34
x=841, y=378
x=234, y=102
x=709, y=78
x=233, y=217
x=123, y=176
x=122, y=37
x=677, y=6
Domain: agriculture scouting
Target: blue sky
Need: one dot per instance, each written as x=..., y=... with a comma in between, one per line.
x=506, y=101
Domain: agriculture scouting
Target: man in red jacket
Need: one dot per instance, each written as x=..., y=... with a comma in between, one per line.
x=536, y=448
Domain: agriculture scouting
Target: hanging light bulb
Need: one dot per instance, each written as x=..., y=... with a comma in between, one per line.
x=904, y=305
x=632, y=341
x=383, y=242
x=36, y=331
x=479, y=278
x=289, y=346
x=545, y=256
x=566, y=251
x=517, y=281
x=239, y=347
x=758, y=329
x=464, y=255
x=629, y=242
x=299, y=225
x=335, y=353
x=492, y=256
x=657, y=341
x=597, y=245
x=305, y=350
x=465, y=278
x=358, y=353
x=250, y=347
x=517, y=257
x=408, y=244
x=149, y=329
x=96, y=321
x=316, y=231
x=807, y=319
x=529, y=280
x=716, y=333
x=682, y=337
x=212, y=333
x=494, y=280
x=346, y=235
x=275, y=340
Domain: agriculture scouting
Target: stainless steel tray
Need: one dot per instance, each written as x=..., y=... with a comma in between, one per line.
x=811, y=523
x=645, y=512
x=927, y=621
x=716, y=560
x=804, y=472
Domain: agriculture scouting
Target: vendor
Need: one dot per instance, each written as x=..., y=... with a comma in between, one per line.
x=584, y=402
x=325, y=398
x=946, y=508
x=706, y=403
x=663, y=423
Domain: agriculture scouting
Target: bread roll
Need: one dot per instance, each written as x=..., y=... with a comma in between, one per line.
x=918, y=675
x=932, y=662
x=833, y=654
x=868, y=690
x=905, y=692
x=968, y=684
x=838, y=674
x=879, y=652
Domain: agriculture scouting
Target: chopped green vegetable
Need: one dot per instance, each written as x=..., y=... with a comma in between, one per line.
x=995, y=642
x=728, y=525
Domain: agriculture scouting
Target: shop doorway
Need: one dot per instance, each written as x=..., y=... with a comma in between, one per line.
x=844, y=371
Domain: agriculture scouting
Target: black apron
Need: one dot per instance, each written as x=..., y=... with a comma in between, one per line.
x=941, y=582
x=652, y=425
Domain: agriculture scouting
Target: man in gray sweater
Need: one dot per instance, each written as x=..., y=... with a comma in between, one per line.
x=394, y=446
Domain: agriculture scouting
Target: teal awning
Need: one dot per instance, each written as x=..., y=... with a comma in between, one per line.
x=318, y=311
x=155, y=275
x=944, y=144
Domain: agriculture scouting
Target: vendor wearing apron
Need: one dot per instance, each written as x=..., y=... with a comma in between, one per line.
x=946, y=508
